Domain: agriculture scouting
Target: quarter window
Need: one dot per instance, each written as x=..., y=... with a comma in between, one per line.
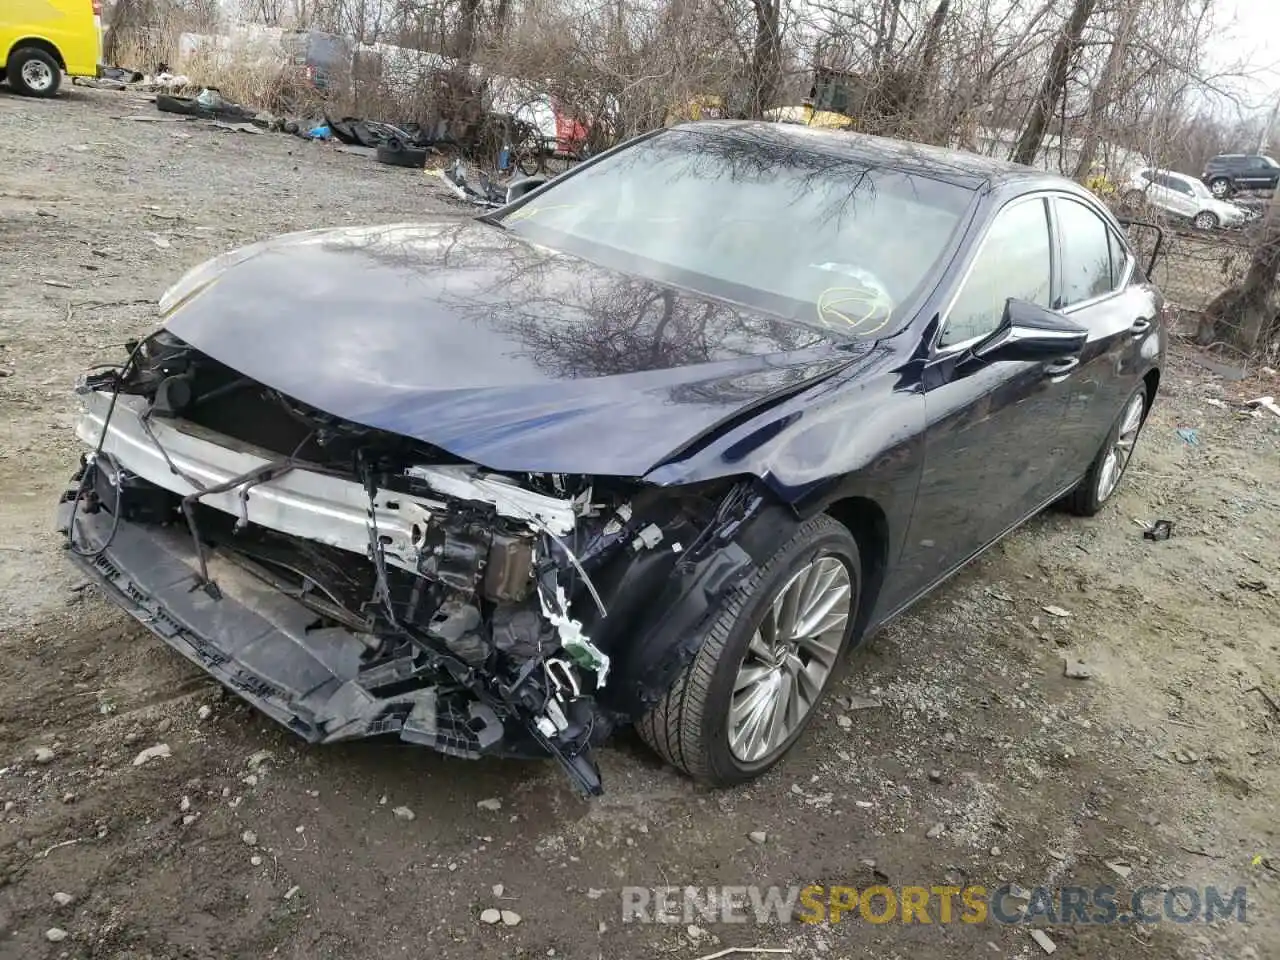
x=1086, y=254
x=1119, y=259
x=1013, y=263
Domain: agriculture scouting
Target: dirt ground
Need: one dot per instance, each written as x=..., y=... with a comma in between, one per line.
x=956, y=751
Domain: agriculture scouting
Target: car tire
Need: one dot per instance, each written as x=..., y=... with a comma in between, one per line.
x=690, y=726
x=1220, y=187
x=396, y=153
x=1205, y=220
x=1097, y=488
x=34, y=72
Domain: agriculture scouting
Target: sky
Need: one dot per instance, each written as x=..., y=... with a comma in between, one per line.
x=1244, y=30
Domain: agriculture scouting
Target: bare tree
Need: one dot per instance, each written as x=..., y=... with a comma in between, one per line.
x=1054, y=83
x=1246, y=316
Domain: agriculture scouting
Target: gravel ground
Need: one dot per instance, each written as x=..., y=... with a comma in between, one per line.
x=956, y=751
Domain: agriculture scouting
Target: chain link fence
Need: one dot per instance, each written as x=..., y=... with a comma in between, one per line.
x=1193, y=267
x=1193, y=270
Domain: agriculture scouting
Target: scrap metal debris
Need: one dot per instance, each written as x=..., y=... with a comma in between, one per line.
x=1075, y=669
x=236, y=127
x=1160, y=530
x=482, y=192
x=1043, y=939
x=1265, y=403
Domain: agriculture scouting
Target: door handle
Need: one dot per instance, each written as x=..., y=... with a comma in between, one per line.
x=1059, y=368
x=1140, y=326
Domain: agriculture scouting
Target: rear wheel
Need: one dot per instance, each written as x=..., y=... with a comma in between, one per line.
x=34, y=72
x=1204, y=220
x=765, y=662
x=1109, y=465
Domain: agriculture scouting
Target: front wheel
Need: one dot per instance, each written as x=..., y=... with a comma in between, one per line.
x=1220, y=186
x=1112, y=460
x=34, y=72
x=765, y=662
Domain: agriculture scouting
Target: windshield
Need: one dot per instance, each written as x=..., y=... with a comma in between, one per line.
x=831, y=241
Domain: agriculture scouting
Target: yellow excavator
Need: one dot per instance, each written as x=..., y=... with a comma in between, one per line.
x=832, y=102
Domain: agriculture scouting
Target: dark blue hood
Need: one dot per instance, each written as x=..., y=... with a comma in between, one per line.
x=501, y=352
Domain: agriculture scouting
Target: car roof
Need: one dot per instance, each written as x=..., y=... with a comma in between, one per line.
x=1169, y=173
x=957, y=167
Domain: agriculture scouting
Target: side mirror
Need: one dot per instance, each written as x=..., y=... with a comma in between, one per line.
x=1031, y=332
x=519, y=188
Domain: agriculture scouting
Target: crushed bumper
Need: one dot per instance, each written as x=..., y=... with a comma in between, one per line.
x=262, y=645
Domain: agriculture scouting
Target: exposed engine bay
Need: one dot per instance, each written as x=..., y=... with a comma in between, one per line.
x=354, y=583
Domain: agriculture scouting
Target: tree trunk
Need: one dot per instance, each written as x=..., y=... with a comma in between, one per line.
x=923, y=73
x=1245, y=316
x=469, y=15
x=1054, y=84
x=766, y=55
x=1099, y=100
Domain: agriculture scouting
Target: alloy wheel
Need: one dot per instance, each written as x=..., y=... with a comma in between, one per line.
x=1219, y=188
x=1205, y=221
x=789, y=659
x=37, y=75
x=1121, y=449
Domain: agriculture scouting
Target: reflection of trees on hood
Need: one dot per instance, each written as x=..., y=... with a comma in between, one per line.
x=573, y=319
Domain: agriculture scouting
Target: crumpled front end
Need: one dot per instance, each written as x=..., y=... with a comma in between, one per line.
x=352, y=583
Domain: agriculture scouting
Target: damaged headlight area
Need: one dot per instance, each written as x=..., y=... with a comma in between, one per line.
x=354, y=583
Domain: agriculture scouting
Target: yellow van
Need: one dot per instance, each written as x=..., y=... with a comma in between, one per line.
x=42, y=39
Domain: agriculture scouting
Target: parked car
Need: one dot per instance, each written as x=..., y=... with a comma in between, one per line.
x=656, y=443
x=1231, y=172
x=41, y=39
x=1185, y=197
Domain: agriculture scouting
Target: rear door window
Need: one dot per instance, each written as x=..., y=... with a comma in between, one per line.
x=1086, y=243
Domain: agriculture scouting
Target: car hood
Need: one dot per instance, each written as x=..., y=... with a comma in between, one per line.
x=496, y=350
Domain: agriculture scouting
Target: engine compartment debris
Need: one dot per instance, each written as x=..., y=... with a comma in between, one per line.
x=354, y=583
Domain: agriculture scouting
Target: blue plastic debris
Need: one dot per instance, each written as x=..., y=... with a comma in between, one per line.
x=321, y=132
x=1189, y=435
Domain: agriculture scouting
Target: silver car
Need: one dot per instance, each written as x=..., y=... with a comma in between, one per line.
x=1183, y=196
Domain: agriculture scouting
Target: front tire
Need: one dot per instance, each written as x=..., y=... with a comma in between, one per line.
x=1108, y=467
x=765, y=662
x=34, y=72
x=1220, y=187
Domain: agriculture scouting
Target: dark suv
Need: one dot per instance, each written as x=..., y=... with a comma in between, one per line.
x=1226, y=174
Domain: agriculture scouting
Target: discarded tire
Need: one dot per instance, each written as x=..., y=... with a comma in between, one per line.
x=343, y=132
x=396, y=153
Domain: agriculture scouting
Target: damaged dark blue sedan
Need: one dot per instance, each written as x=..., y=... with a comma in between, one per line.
x=654, y=444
